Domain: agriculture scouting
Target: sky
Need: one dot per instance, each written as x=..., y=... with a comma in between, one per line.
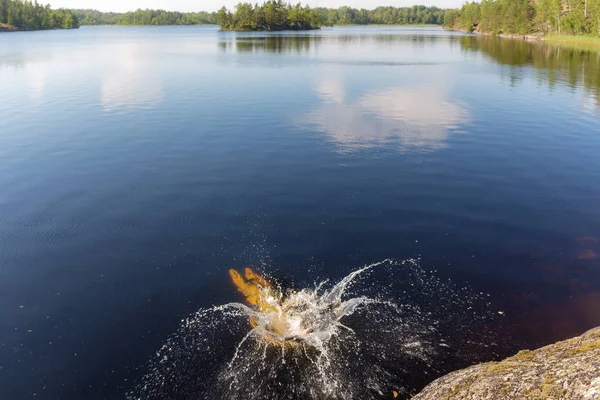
x=213, y=5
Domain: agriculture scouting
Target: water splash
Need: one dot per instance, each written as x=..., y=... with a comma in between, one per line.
x=334, y=341
x=288, y=318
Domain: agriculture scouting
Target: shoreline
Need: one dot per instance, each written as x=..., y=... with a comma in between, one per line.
x=5, y=28
x=230, y=30
x=8, y=28
x=583, y=40
x=269, y=30
x=577, y=40
x=415, y=25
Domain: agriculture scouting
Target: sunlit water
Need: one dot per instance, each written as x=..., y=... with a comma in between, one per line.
x=138, y=165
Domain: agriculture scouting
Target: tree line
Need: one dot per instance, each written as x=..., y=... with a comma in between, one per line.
x=383, y=16
x=523, y=17
x=33, y=16
x=327, y=16
x=146, y=17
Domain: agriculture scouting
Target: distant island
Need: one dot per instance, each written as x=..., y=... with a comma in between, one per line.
x=274, y=15
x=18, y=15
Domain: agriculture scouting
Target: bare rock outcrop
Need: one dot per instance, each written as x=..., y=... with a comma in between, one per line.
x=565, y=370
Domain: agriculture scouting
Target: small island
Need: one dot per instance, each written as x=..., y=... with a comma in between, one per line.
x=274, y=15
x=16, y=15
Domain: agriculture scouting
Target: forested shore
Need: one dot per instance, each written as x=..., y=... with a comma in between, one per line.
x=415, y=15
x=26, y=15
x=275, y=15
x=552, y=18
x=527, y=17
x=146, y=17
x=509, y=17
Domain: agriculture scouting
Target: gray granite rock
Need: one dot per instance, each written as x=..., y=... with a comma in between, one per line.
x=565, y=370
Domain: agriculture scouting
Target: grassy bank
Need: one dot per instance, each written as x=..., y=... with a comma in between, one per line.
x=587, y=40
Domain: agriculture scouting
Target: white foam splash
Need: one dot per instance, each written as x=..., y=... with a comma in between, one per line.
x=331, y=342
x=309, y=316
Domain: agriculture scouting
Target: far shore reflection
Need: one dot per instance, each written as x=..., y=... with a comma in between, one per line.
x=561, y=63
x=299, y=43
x=555, y=63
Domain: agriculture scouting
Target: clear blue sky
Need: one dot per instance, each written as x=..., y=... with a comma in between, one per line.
x=212, y=5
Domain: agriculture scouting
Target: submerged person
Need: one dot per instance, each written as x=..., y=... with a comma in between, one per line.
x=278, y=319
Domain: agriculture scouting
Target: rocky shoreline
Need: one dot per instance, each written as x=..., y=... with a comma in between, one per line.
x=12, y=28
x=8, y=28
x=502, y=35
x=569, y=369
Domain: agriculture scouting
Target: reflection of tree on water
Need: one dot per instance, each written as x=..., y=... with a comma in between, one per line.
x=305, y=43
x=271, y=44
x=573, y=66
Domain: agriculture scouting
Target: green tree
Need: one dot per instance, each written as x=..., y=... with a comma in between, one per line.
x=3, y=11
x=224, y=18
x=31, y=15
x=68, y=22
x=490, y=12
x=272, y=15
x=450, y=18
x=244, y=17
x=518, y=15
x=470, y=16
x=594, y=17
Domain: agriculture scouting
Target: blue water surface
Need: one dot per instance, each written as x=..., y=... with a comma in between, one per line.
x=138, y=164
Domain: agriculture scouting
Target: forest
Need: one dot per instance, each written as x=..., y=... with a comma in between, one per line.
x=276, y=15
x=415, y=15
x=146, y=17
x=524, y=17
x=328, y=16
x=27, y=15
x=512, y=17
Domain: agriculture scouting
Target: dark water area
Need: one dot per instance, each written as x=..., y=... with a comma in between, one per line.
x=137, y=165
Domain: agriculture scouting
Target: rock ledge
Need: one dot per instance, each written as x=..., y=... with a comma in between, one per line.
x=565, y=370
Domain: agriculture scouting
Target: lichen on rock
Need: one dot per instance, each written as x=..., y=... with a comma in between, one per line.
x=565, y=370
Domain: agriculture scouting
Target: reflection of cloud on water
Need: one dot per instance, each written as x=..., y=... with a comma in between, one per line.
x=413, y=117
x=36, y=80
x=427, y=116
x=590, y=103
x=332, y=90
x=25, y=70
x=130, y=83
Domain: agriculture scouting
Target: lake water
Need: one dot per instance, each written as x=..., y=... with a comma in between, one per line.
x=137, y=165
